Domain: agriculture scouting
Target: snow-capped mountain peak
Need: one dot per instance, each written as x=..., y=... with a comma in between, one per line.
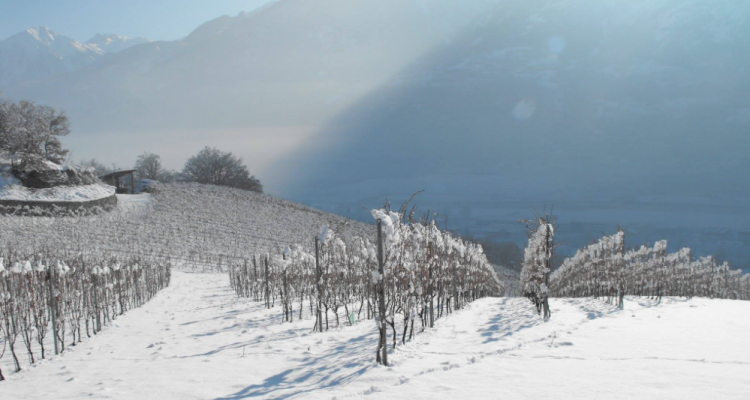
x=42, y=34
x=40, y=52
x=41, y=38
x=110, y=43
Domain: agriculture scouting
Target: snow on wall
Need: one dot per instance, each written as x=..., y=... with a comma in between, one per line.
x=12, y=189
x=17, y=192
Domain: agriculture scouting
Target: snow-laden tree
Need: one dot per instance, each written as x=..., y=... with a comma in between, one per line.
x=94, y=166
x=148, y=166
x=30, y=132
x=536, y=263
x=605, y=270
x=215, y=167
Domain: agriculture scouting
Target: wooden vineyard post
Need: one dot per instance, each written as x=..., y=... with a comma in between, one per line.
x=317, y=285
x=432, y=289
x=96, y=305
x=455, y=291
x=548, y=248
x=52, y=308
x=287, y=304
x=268, y=295
x=382, y=346
x=256, y=289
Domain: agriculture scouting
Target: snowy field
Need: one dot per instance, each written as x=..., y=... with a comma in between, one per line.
x=196, y=340
x=132, y=202
x=187, y=221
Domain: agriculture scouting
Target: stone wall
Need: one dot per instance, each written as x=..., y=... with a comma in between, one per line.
x=56, y=209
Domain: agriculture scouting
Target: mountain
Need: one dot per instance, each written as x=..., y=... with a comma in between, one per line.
x=615, y=112
x=649, y=89
x=39, y=53
x=277, y=73
x=114, y=43
x=630, y=113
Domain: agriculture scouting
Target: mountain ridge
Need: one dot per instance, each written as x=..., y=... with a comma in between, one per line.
x=40, y=53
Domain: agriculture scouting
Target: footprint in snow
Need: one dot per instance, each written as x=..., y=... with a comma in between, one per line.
x=371, y=390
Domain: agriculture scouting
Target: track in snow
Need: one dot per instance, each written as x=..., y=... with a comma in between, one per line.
x=189, y=341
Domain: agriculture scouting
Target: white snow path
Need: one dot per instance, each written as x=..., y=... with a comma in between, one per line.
x=188, y=343
x=133, y=201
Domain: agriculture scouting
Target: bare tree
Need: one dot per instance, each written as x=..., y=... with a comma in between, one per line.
x=215, y=167
x=148, y=166
x=95, y=166
x=168, y=175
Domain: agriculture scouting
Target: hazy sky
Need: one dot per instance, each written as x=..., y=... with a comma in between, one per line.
x=82, y=19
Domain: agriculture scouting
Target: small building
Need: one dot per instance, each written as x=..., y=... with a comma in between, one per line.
x=115, y=179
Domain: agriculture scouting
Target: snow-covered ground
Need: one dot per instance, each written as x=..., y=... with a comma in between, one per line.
x=195, y=340
x=187, y=221
x=129, y=202
x=57, y=194
x=12, y=189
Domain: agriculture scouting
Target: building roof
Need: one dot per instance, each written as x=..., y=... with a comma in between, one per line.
x=117, y=174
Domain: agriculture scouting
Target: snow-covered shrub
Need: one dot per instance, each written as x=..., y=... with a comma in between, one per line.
x=60, y=296
x=427, y=273
x=146, y=186
x=536, y=263
x=604, y=269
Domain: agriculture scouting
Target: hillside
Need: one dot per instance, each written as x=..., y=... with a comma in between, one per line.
x=198, y=225
x=195, y=340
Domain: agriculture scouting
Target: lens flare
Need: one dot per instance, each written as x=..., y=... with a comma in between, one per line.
x=556, y=44
x=524, y=109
